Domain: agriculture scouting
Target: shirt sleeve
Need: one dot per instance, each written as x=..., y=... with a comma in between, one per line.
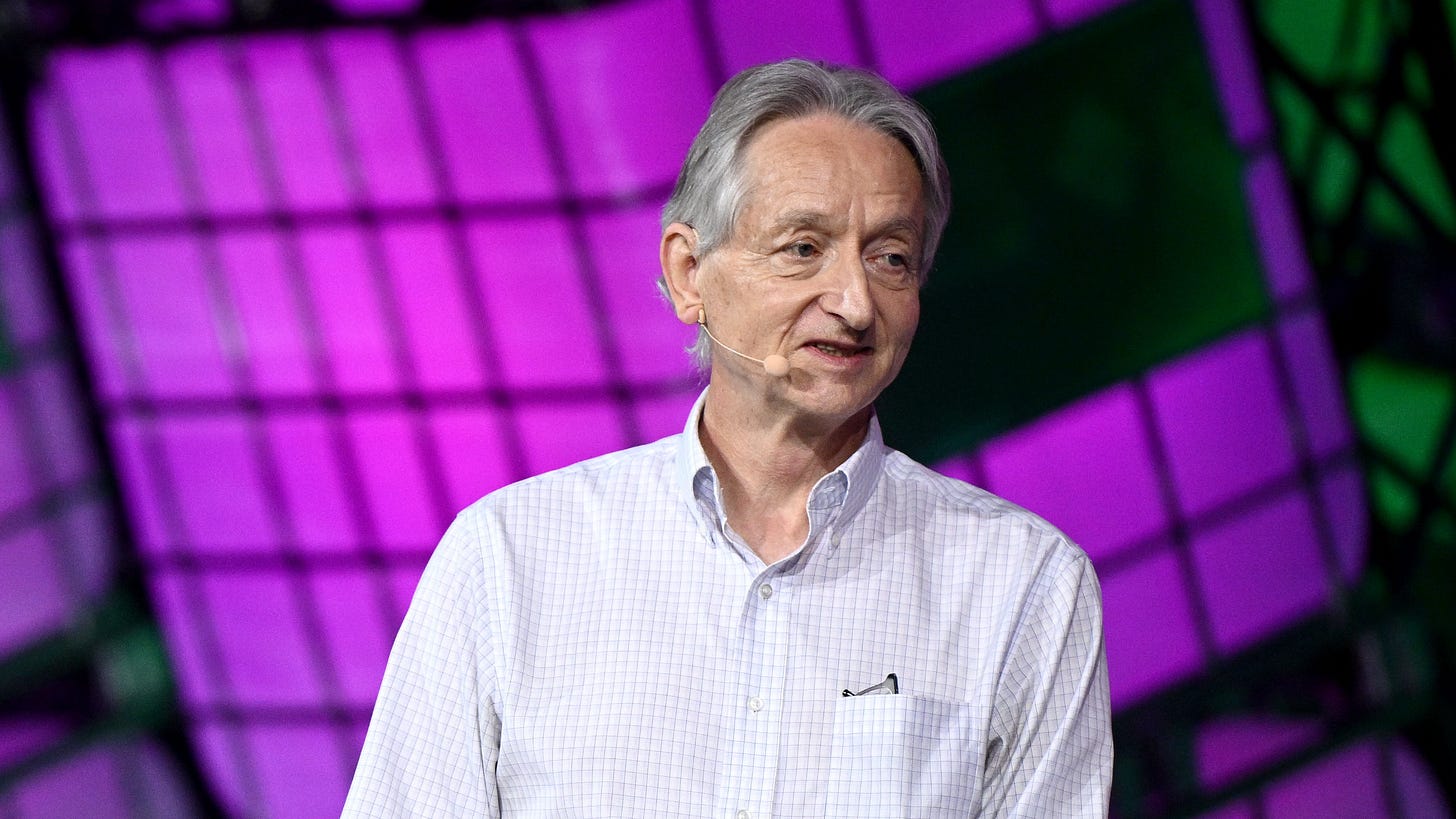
x=434, y=737
x=1051, y=754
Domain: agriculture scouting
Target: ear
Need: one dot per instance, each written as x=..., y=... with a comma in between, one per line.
x=680, y=268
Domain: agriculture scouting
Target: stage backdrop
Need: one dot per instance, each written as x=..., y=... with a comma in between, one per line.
x=334, y=286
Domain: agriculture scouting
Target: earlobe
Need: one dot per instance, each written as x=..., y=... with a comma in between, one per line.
x=680, y=270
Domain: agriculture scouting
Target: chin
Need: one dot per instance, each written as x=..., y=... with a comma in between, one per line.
x=838, y=405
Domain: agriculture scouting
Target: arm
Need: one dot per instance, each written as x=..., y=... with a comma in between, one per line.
x=1052, y=751
x=433, y=740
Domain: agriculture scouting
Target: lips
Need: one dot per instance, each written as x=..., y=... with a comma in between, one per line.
x=839, y=349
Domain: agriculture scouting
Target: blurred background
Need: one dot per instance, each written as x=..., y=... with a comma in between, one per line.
x=284, y=285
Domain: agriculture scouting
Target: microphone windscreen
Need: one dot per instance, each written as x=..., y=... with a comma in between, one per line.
x=776, y=365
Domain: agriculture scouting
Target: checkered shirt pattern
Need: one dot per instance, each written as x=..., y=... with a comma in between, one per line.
x=597, y=642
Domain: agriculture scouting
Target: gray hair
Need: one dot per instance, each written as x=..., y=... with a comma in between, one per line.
x=709, y=190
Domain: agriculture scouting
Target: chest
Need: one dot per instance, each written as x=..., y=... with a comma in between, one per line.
x=711, y=687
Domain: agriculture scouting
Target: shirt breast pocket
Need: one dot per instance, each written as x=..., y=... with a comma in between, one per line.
x=901, y=755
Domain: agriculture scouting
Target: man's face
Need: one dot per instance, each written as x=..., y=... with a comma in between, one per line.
x=822, y=268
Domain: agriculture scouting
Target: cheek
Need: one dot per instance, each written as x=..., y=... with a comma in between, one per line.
x=903, y=316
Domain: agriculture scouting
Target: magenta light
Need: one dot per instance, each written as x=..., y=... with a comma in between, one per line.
x=1089, y=468
x=648, y=337
x=316, y=497
x=542, y=320
x=1151, y=628
x=334, y=286
x=1222, y=422
x=965, y=35
x=625, y=100
x=751, y=32
x=479, y=106
x=212, y=110
x=429, y=288
x=1235, y=73
x=1261, y=570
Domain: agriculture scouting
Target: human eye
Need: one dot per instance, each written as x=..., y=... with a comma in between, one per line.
x=801, y=249
x=893, y=267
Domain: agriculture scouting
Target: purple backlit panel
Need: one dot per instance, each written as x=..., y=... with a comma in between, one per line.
x=315, y=495
x=426, y=278
x=1151, y=621
x=59, y=548
x=533, y=290
x=375, y=96
x=111, y=780
x=282, y=670
x=211, y=116
x=1220, y=414
x=40, y=601
x=621, y=99
x=1260, y=569
x=334, y=286
x=1231, y=748
x=340, y=276
x=474, y=455
x=916, y=44
x=212, y=464
x=389, y=464
x=1090, y=468
x=1348, y=779
x=300, y=770
x=750, y=32
x=1378, y=777
x=285, y=91
x=647, y=335
x=491, y=145
x=119, y=135
x=277, y=346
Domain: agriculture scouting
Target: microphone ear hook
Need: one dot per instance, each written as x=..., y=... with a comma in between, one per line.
x=775, y=365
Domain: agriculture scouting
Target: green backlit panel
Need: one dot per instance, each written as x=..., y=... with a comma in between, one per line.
x=1346, y=51
x=1099, y=228
x=1401, y=409
x=7, y=350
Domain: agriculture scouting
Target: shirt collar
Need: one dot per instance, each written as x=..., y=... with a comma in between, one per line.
x=847, y=487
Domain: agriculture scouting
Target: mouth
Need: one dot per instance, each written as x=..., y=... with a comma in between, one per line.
x=837, y=350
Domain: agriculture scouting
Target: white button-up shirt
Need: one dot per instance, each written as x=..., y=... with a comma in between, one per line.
x=597, y=641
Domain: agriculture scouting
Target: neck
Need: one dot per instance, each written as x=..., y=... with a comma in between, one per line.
x=767, y=464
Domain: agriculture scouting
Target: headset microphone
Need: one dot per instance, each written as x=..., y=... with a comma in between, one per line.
x=775, y=365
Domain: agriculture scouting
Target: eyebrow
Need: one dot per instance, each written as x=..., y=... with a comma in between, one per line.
x=795, y=219
x=900, y=226
x=799, y=219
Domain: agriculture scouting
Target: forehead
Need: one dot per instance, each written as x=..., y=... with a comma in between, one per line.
x=828, y=158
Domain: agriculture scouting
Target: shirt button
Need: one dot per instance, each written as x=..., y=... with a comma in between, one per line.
x=743, y=814
x=755, y=704
x=765, y=591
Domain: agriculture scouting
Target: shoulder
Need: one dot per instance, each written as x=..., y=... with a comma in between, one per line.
x=562, y=512
x=958, y=518
x=626, y=470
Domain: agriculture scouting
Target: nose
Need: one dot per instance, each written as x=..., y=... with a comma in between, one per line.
x=847, y=292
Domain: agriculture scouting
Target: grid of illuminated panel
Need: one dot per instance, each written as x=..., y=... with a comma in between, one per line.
x=58, y=549
x=335, y=286
x=55, y=549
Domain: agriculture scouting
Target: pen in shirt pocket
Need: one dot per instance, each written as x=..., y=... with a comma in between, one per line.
x=891, y=685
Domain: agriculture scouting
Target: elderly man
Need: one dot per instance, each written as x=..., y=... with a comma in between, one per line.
x=772, y=613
